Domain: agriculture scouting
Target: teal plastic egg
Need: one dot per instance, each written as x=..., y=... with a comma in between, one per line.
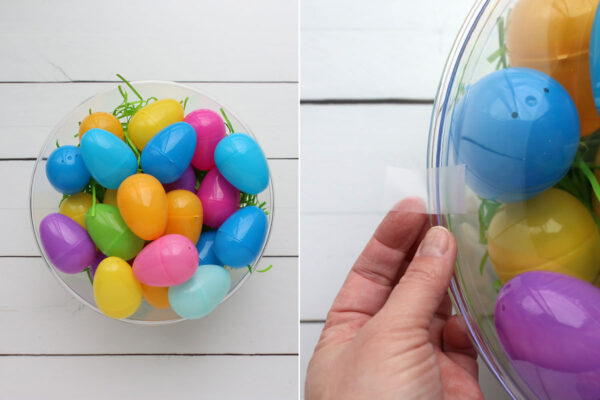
x=107, y=157
x=242, y=162
x=202, y=293
x=169, y=152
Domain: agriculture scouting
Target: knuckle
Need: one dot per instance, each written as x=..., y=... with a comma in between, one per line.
x=423, y=275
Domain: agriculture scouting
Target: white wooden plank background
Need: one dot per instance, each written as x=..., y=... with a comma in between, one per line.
x=352, y=53
x=209, y=41
x=56, y=54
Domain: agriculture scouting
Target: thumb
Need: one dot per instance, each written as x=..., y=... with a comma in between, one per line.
x=419, y=293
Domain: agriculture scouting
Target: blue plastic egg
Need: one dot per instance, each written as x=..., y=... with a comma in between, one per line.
x=202, y=293
x=241, y=237
x=517, y=131
x=206, y=249
x=66, y=170
x=242, y=162
x=169, y=152
x=107, y=157
x=595, y=59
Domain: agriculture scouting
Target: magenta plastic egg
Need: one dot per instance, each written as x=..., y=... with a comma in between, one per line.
x=219, y=198
x=167, y=261
x=67, y=245
x=210, y=129
x=549, y=326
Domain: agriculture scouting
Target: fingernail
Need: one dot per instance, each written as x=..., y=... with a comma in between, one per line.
x=435, y=243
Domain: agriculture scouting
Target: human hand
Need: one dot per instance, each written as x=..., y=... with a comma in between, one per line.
x=389, y=333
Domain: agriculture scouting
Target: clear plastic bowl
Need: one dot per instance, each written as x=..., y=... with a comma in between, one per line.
x=551, y=36
x=45, y=199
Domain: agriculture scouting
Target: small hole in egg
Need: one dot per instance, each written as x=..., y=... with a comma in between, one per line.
x=546, y=90
x=515, y=115
x=503, y=307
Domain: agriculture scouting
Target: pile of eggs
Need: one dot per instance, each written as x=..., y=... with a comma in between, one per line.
x=517, y=131
x=170, y=221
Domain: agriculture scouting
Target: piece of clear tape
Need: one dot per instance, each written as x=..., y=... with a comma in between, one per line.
x=443, y=189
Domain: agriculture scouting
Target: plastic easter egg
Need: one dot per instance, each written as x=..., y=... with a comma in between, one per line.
x=553, y=36
x=168, y=154
x=116, y=291
x=167, y=261
x=94, y=265
x=241, y=237
x=201, y=294
x=210, y=129
x=187, y=181
x=242, y=162
x=101, y=120
x=184, y=214
x=143, y=204
x=67, y=245
x=548, y=325
x=206, y=249
x=219, y=198
x=151, y=119
x=110, y=232
x=551, y=232
x=66, y=170
x=517, y=131
x=110, y=197
x=108, y=158
x=157, y=297
x=76, y=206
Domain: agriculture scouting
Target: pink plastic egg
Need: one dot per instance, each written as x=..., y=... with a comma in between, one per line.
x=219, y=198
x=210, y=129
x=167, y=261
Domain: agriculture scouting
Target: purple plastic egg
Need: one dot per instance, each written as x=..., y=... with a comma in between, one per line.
x=187, y=181
x=97, y=260
x=66, y=243
x=549, y=326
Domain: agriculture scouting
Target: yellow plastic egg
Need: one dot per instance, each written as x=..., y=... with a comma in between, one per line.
x=142, y=202
x=157, y=297
x=553, y=36
x=76, y=206
x=184, y=214
x=149, y=120
x=101, y=120
x=116, y=291
x=110, y=197
x=551, y=232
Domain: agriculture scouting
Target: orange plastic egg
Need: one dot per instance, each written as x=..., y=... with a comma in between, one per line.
x=101, y=120
x=184, y=214
x=142, y=202
x=157, y=297
x=110, y=197
x=553, y=36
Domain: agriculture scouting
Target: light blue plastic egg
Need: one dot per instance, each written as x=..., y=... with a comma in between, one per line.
x=206, y=249
x=169, y=152
x=241, y=237
x=107, y=157
x=66, y=170
x=242, y=162
x=202, y=293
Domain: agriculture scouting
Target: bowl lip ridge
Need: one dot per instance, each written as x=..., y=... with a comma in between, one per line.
x=436, y=126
